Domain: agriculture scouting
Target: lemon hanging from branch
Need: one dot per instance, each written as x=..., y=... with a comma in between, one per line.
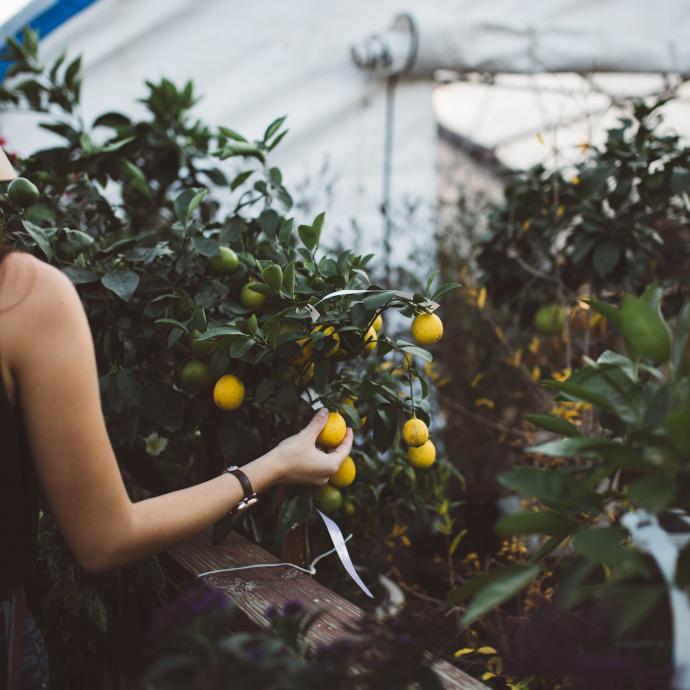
x=427, y=328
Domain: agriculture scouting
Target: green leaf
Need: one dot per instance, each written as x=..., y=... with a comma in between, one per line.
x=418, y=352
x=219, y=331
x=318, y=225
x=377, y=300
x=80, y=276
x=205, y=245
x=231, y=134
x=285, y=230
x=122, y=283
x=135, y=177
x=163, y=405
x=646, y=333
x=507, y=583
x=610, y=312
x=677, y=424
x=553, y=487
x=603, y=545
x=541, y=522
x=444, y=289
x=273, y=276
x=41, y=236
x=308, y=236
x=240, y=179
x=187, y=202
x=580, y=393
x=241, y=148
x=264, y=391
x=606, y=257
x=172, y=322
x=274, y=127
x=293, y=513
x=289, y=279
x=654, y=492
x=555, y=424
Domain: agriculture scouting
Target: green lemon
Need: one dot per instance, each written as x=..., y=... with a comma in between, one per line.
x=23, y=192
x=349, y=507
x=251, y=298
x=195, y=375
x=328, y=498
x=226, y=261
x=549, y=319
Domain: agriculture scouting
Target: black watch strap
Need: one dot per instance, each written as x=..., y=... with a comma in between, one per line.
x=250, y=497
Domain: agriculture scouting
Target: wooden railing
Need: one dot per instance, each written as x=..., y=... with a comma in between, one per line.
x=254, y=590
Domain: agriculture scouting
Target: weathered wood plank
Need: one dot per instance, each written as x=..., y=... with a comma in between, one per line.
x=254, y=590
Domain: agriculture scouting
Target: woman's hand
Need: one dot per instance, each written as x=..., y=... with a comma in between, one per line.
x=301, y=462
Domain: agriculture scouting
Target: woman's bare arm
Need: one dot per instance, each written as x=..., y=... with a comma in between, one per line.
x=52, y=365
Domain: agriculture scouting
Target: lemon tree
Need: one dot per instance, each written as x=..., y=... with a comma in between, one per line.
x=222, y=320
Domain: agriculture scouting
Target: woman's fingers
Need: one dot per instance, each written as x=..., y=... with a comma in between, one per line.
x=339, y=453
x=318, y=422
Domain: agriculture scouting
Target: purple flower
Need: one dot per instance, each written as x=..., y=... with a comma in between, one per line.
x=293, y=607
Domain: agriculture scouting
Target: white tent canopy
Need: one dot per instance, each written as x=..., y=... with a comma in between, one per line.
x=255, y=61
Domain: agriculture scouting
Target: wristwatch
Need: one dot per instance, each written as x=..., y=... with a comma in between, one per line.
x=250, y=497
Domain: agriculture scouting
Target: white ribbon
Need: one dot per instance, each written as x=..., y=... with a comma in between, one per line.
x=339, y=542
x=315, y=314
x=664, y=548
x=339, y=547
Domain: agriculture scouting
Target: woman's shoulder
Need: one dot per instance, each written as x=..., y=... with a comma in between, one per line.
x=26, y=281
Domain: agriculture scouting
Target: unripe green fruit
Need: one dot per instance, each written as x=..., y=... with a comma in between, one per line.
x=23, y=192
x=225, y=262
x=328, y=498
x=549, y=319
x=251, y=298
x=195, y=375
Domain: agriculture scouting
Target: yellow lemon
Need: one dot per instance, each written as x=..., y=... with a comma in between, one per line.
x=332, y=336
x=349, y=507
x=228, y=393
x=378, y=323
x=346, y=473
x=334, y=432
x=370, y=339
x=427, y=329
x=415, y=432
x=302, y=378
x=422, y=456
x=307, y=352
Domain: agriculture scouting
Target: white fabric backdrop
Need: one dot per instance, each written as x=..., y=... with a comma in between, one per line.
x=255, y=61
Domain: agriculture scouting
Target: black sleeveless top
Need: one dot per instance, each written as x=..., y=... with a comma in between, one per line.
x=19, y=500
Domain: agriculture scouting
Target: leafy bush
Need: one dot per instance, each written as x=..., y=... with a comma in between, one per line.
x=586, y=484
x=616, y=221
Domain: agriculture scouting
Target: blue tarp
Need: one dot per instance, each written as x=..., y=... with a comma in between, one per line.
x=51, y=18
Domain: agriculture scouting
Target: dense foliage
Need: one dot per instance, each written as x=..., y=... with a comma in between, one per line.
x=555, y=290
